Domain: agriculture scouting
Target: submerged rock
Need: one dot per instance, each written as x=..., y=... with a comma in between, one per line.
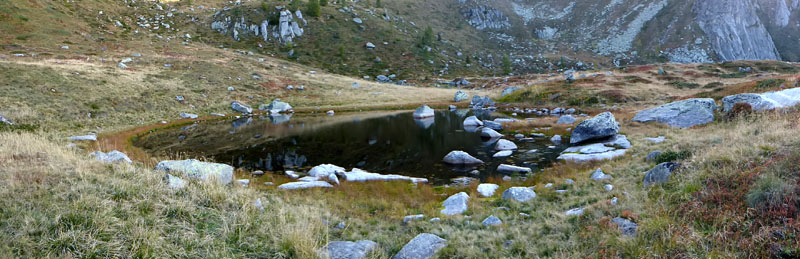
x=601, y=126
x=520, y=194
x=455, y=204
x=204, y=171
x=358, y=175
x=347, y=249
x=90, y=137
x=423, y=246
x=680, y=114
x=111, y=157
x=505, y=145
x=458, y=157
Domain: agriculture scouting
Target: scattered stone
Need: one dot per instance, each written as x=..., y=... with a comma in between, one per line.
x=241, y=107
x=369, y=45
x=90, y=137
x=614, y=201
x=423, y=246
x=276, y=106
x=304, y=185
x=455, y=204
x=460, y=96
x=566, y=119
x=487, y=189
x=575, y=212
x=258, y=172
x=180, y=98
x=504, y=168
x=458, y=157
x=292, y=174
x=243, y=182
x=230, y=88
x=680, y=114
x=330, y=113
x=627, y=227
x=505, y=145
x=174, y=182
x=492, y=221
x=217, y=114
x=347, y=249
x=598, y=175
x=659, y=174
x=601, y=126
x=520, y=194
x=410, y=218
x=188, y=115
x=423, y=112
x=608, y=187
x=556, y=139
x=472, y=121
x=509, y=90
x=204, y=171
x=652, y=156
x=3, y=120
x=764, y=101
x=656, y=140
x=111, y=157
x=506, y=178
x=569, y=181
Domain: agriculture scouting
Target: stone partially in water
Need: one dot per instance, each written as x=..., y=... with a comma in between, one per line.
x=490, y=133
x=358, y=175
x=504, y=153
x=458, y=157
x=455, y=204
x=204, y=171
x=505, y=145
x=472, y=121
x=423, y=246
x=276, y=106
x=347, y=249
x=504, y=168
x=241, y=107
x=423, y=112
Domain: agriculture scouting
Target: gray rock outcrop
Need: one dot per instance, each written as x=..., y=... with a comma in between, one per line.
x=680, y=114
x=735, y=30
x=601, y=126
x=659, y=174
x=347, y=249
x=455, y=204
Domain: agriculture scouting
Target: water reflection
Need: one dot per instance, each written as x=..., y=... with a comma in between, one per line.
x=386, y=142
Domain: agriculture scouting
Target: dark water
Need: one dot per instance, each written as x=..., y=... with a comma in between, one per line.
x=388, y=143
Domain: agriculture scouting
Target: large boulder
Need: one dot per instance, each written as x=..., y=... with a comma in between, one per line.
x=504, y=168
x=455, y=204
x=323, y=170
x=423, y=112
x=276, y=106
x=764, y=101
x=487, y=189
x=520, y=194
x=204, y=171
x=601, y=126
x=241, y=107
x=509, y=90
x=659, y=174
x=680, y=114
x=460, y=96
x=111, y=157
x=347, y=249
x=458, y=157
x=423, y=246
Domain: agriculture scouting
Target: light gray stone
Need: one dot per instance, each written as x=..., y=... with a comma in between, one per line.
x=423, y=246
x=504, y=168
x=241, y=107
x=520, y=194
x=304, y=185
x=492, y=221
x=505, y=145
x=455, y=204
x=423, y=112
x=472, y=121
x=627, y=227
x=458, y=157
x=566, y=119
x=460, y=96
x=204, y=171
x=490, y=133
x=601, y=126
x=598, y=175
x=680, y=114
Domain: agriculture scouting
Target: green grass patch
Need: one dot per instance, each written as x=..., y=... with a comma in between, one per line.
x=770, y=83
x=683, y=84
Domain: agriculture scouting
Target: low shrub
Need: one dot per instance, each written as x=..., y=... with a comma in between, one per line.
x=672, y=156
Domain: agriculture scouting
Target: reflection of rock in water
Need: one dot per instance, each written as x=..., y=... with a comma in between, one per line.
x=280, y=118
x=288, y=160
x=241, y=122
x=462, y=113
x=481, y=113
x=425, y=123
x=472, y=128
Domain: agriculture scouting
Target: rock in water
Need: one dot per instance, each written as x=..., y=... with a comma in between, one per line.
x=566, y=119
x=304, y=185
x=520, y=194
x=574, y=212
x=492, y=221
x=423, y=112
x=240, y=107
x=347, y=249
x=626, y=226
x=505, y=145
x=680, y=114
x=504, y=168
x=493, y=125
x=472, y=121
x=455, y=204
x=764, y=101
x=111, y=157
x=601, y=126
x=458, y=157
x=460, y=96
x=487, y=189
x=204, y=171
x=423, y=246
x=659, y=174
x=490, y=133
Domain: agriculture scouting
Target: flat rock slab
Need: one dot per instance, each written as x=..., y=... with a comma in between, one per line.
x=423, y=112
x=347, y=249
x=423, y=246
x=358, y=175
x=680, y=114
x=455, y=204
x=204, y=171
x=304, y=185
x=764, y=101
x=504, y=168
x=504, y=153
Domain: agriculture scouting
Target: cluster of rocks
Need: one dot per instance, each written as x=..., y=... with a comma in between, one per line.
x=327, y=175
x=596, y=139
x=390, y=80
x=286, y=31
x=557, y=111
